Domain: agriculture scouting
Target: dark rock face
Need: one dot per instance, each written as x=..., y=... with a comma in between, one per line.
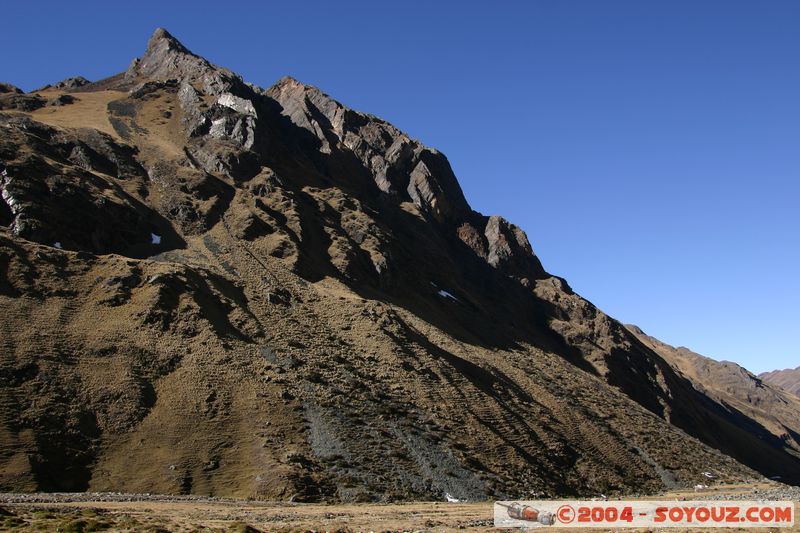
x=50, y=198
x=14, y=101
x=8, y=88
x=399, y=165
x=504, y=246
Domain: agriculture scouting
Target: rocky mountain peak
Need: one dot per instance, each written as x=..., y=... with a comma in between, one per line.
x=167, y=58
x=400, y=166
x=162, y=38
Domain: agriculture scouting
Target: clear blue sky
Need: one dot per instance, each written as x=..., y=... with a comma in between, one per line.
x=650, y=149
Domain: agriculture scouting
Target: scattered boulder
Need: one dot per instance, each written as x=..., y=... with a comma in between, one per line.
x=61, y=99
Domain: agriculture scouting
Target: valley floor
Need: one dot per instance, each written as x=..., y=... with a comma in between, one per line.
x=143, y=512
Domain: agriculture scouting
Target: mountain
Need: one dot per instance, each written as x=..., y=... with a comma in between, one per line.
x=788, y=379
x=776, y=412
x=214, y=288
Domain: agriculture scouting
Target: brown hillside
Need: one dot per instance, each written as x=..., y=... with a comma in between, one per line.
x=788, y=379
x=208, y=287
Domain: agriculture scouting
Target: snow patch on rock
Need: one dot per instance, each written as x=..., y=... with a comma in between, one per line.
x=240, y=105
x=444, y=294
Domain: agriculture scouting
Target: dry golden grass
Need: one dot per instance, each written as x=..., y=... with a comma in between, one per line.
x=232, y=515
x=88, y=111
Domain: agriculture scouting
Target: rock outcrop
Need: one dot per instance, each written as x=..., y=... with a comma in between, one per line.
x=18, y=101
x=54, y=190
x=68, y=84
x=399, y=165
x=166, y=59
x=6, y=88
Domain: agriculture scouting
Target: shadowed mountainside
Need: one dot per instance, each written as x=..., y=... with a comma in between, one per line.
x=764, y=408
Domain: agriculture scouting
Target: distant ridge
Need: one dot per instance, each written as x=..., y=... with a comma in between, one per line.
x=788, y=379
